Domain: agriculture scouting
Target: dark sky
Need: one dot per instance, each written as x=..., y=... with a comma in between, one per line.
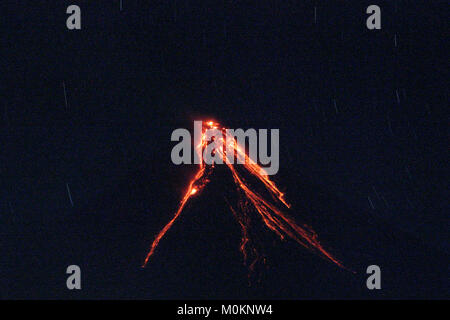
x=363, y=152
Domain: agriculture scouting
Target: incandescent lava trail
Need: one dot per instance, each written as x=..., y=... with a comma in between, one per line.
x=196, y=184
x=271, y=210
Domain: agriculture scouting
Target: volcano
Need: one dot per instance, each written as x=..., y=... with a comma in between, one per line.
x=270, y=208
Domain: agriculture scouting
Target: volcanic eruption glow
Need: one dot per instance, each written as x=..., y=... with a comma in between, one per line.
x=270, y=210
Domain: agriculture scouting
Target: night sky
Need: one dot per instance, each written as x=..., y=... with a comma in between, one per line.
x=86, y=119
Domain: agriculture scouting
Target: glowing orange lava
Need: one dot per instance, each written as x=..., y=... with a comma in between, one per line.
x=272, y=213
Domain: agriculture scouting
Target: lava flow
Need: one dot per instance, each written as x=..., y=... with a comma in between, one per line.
x=270, y=210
